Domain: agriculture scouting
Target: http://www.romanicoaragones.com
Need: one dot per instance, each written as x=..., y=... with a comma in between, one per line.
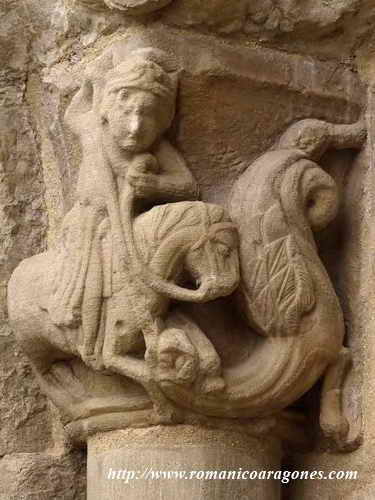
x=284, y=476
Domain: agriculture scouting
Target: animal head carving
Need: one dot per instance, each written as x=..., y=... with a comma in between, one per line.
x=301, y=195
x=214, y=257
x=202, y=233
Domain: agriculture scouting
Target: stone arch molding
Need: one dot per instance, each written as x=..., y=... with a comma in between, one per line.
x=108, y=334
x=128, y=7
x=254, y=18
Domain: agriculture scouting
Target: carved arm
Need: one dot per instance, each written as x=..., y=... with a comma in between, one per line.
x=175, y=181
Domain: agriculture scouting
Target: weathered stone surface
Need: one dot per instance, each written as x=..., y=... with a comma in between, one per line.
x=255, y=18
x=104, y=293
x=308, y=27
x=271, y=64
x=26, y=425
x=181, y=448
x=354, y=278
x=128, y=7
x=268, y=18
x=244, y=80
x=38, y=476
x=25, y=421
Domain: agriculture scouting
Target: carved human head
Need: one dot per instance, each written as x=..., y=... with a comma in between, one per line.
x=138, y=103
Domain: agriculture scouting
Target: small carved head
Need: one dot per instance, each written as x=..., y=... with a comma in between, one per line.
x=138, y=103
x=213, y=260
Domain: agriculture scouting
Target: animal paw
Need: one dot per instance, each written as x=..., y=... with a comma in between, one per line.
x=336, y=430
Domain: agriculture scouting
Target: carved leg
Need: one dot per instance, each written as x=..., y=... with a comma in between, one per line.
x=165, y=410
x=117, y=360
x=332, y=421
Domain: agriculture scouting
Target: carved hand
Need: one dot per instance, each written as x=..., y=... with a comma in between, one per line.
x=144, y=184
x=142, y=175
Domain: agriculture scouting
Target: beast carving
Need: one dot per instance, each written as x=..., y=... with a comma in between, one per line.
x=137, y=242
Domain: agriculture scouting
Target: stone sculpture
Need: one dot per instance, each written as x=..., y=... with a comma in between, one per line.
x=268, y=18
x=137, y=239
x=285, y=294
x=101, y=264
x=128, y=7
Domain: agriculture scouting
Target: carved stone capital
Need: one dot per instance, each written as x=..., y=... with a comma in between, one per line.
x=138, y=305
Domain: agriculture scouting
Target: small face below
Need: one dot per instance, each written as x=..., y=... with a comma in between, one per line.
x=134, y=120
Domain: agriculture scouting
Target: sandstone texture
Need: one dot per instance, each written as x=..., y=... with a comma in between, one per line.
x=249, y=70
x=39, y=476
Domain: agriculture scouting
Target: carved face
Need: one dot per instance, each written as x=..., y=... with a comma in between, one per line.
x=215, y=260
x=135, y=119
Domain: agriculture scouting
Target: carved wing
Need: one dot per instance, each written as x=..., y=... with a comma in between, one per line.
x=277, y=286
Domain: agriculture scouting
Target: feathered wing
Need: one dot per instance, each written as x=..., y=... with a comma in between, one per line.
x=277, y=287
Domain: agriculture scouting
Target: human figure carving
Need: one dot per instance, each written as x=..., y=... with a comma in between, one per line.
x=137, y=232
x=106, y=288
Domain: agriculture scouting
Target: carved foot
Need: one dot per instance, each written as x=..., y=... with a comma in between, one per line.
x=332, y=421
x=177, y=358
x=334, y=424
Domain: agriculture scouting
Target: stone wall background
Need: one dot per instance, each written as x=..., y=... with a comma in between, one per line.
x=253, y=67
